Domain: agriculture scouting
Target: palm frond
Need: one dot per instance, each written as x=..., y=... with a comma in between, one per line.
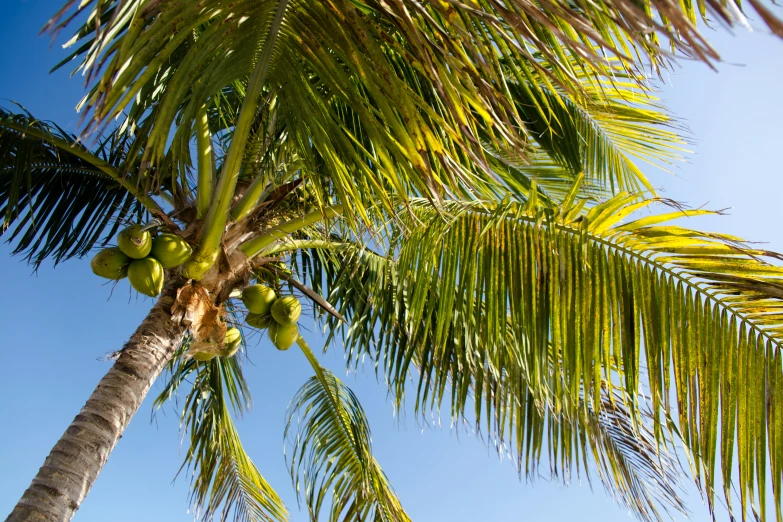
x=391, y=97
x=549, y=178
x=55, y=197
x=492, y=298
x=603, y=132
x=331, y=452
x=225, y=481
x=611, y=441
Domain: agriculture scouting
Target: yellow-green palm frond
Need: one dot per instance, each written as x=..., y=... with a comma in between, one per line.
x=603, y=132
x=392, y=97
x=225, y=481
x=487, y=298
x=634, y=468
x=618, y=446
x=331, y=452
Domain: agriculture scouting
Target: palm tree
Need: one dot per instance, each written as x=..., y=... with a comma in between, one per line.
x=455, y=181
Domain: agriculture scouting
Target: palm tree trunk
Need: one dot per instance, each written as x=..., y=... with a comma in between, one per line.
x=73, y=465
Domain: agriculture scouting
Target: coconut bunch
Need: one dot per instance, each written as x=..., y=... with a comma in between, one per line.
x=278, y=315
x=142, y=258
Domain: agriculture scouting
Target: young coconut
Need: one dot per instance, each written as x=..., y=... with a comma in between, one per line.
x=231, y=342
x=283, y=336
x=146, y=276
x=204, y=356
x=134, y=242
x=260, y=321
x=258, y=299
x=110, y=263
x=170, y=250
x=286, y=310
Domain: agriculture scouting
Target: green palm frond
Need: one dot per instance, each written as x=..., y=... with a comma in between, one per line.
x=393, y=97
x=538, y=172
x=487, y=299
x=331, y=451
x=482, y=34
x=225, y=481
x=620, y=447
x=56, y=198
x=602, y=132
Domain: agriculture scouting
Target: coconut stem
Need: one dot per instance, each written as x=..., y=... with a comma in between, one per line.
x=257, y=245
x=206, y=163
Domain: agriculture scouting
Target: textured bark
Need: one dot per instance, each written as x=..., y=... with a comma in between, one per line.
x=73, y=465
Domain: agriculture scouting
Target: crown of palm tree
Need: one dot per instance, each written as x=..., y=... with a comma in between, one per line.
x=486, y=151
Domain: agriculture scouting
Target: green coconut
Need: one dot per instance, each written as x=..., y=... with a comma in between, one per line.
x=259, y=320
x=134, y=242
x=231, y=342
x=233, y=336
x=258, y=299
x=170, y=250
x=286, y=310
x=110, y=263
x=146, y=276
x=204, y=356
x=283, y=336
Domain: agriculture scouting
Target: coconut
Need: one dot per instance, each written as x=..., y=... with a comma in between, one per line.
x=259, y=320
x=134, y=242
x=286, y=310
x=280, y=267
x=110, y=263
x=231, y=342
x=233, y=336
x=204, y=356
x=258, y=299
x=170, y=250
x=146, y=276
x=283, y=336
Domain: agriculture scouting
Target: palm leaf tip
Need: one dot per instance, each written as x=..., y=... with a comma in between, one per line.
x=634, y=466
x=329, y=451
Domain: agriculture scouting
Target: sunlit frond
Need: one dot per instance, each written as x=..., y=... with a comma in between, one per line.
x=394, y=97
x=611, y=441
x=330, y=453
x=488, y=299
x=603, y=132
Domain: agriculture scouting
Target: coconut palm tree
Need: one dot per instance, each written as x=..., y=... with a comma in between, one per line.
x=451, y=184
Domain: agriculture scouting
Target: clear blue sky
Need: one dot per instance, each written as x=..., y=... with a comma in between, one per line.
x=57, y=325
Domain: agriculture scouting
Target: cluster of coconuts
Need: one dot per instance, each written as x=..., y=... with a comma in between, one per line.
x=141, y=258
x=277, y=314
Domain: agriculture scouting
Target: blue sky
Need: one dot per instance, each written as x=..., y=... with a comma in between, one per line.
x=57, y=325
